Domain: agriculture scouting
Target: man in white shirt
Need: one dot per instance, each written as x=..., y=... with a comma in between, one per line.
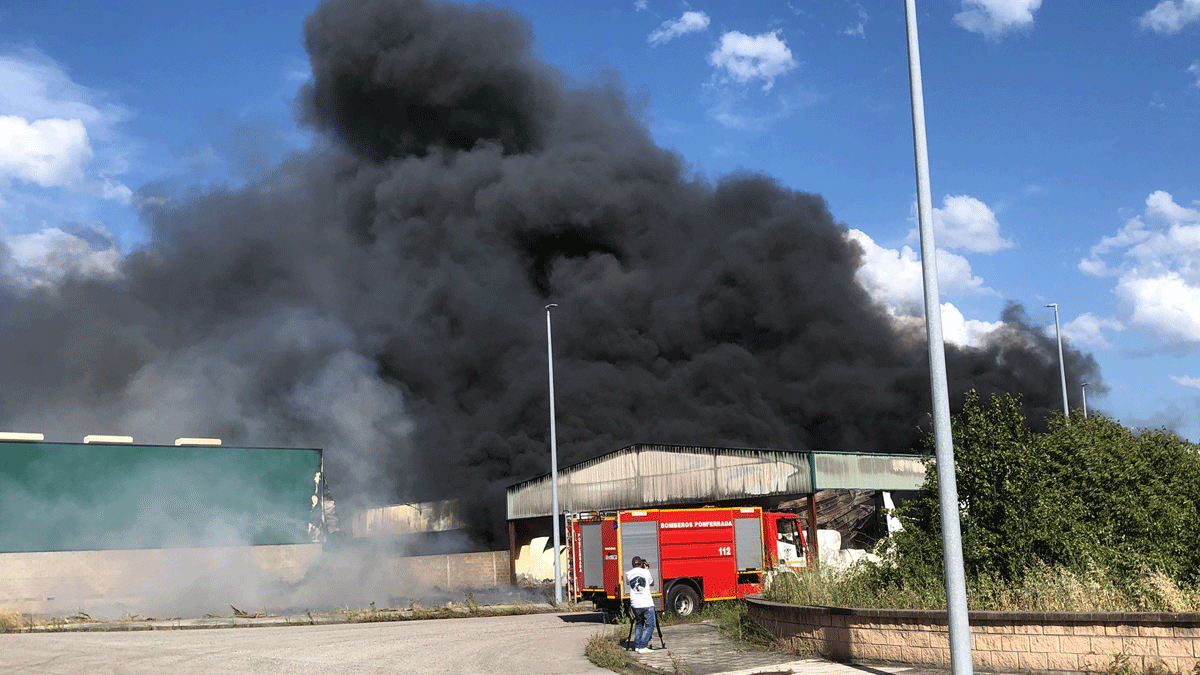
x=639, y=580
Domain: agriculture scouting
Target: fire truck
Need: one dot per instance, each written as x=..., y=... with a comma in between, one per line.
x=695, y=555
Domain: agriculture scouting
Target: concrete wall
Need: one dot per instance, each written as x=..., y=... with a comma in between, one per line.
x=488, y=569
x=67, y=582
x=74, y=581
x=1027, y=641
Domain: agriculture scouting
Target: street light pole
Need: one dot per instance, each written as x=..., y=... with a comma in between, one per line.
x=1084, y=388
x=955, y=578
x=1062, y=368
x=558, y=589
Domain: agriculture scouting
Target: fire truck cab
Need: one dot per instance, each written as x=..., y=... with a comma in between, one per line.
x=695, y=555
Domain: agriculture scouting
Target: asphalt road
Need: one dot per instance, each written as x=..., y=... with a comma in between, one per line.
x=529, y=644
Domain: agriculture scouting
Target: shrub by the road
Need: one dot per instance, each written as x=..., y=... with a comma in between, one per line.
x=1084, y=516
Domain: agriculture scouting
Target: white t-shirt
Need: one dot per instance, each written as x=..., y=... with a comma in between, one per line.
x=639, y=580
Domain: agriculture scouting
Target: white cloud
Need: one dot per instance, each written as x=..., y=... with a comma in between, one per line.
x=48, y=152
x=35, y=87
x=117, y=192
x=733, y=108
x=1166, y=237
x=56, y=133
x=894, y=278
x=45, y=258
x=639, y=5
x=960, y=330
x=993, y=18
x=1156, y=260
x=858, y=28
x=1167, y=304
x=1185, y=381
x=1088, y=329
x=965, y=223
x=689, y=22
x=1170, y=16
x=745, y=58
x=1194, y=69
x=956, y=328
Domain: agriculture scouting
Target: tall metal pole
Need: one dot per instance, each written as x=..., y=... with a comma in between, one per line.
x=956, y=587
x=1084, y=389
x=558, y=588
x=1062, y=368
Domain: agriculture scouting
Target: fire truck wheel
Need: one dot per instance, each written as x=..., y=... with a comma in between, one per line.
x=682, y=600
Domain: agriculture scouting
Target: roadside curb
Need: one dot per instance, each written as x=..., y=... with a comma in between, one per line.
x=306, y=619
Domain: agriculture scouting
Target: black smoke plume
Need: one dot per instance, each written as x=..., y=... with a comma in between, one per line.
x=382, y=295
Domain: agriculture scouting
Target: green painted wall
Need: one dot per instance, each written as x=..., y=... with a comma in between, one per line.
x=78, y=497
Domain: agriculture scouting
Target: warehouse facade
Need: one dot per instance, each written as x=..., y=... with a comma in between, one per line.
x=680, y=476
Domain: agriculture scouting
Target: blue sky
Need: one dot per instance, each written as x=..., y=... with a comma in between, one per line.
x=1063, y=138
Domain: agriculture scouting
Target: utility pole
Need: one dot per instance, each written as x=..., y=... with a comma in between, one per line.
x=1062, y=368
x=956, y=585
x=558, y=589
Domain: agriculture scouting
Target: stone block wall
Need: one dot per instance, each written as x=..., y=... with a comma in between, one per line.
x=1028, y=641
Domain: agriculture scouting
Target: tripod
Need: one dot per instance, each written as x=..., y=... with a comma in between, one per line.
x=633, y=622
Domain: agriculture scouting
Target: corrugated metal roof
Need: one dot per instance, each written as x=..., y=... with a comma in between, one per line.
x=663, y=475
x=862, y=471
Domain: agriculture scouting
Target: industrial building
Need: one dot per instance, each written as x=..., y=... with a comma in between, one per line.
x=109, y=526
x=680, y=476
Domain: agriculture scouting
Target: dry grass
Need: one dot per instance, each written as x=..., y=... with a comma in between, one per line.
x=1042, y=589
x=604, y=649
x=10, y=622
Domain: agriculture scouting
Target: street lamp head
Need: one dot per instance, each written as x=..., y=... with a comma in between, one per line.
x=551, y=305
x=1053, y=304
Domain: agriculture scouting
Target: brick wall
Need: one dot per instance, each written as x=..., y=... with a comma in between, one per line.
x=1033, y=641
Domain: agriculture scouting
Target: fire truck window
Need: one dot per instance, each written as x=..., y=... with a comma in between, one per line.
x=787, y=532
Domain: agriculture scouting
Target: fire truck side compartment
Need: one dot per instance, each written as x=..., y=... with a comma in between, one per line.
x=749, y=543
x=640, y=538
x=593, y=555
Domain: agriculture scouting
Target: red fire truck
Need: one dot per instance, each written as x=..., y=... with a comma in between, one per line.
x=695, y=554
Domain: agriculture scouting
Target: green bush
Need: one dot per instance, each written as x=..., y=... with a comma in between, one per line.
x=1089, y=496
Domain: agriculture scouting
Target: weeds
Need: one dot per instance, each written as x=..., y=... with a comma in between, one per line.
x=1120, y=666
x=678, y=667
x=10, y=622
x=449, y=611
x=604, y=649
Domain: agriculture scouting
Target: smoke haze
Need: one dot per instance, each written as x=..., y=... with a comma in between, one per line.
x=381, y=296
